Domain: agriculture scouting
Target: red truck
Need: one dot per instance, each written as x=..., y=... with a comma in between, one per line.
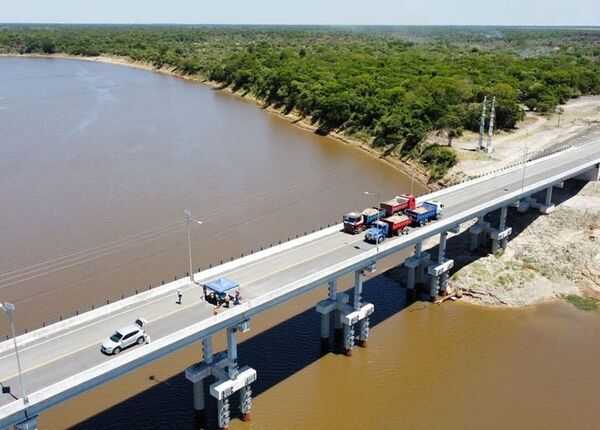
x=398, y=204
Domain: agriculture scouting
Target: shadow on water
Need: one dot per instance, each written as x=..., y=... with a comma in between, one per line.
x=276, y=354
x=286, y=348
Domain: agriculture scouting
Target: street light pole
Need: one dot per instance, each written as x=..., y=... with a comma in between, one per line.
x=188, y=219
x=9, y=308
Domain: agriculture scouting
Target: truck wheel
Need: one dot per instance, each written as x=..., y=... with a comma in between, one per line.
x=380, y=239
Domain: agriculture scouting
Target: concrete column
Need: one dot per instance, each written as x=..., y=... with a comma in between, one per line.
x=420, y=269
x=324, y=327
x=442, y=247
x=503, y=213
x=232, y=366
x=434, y=286
x=348, y=339
x=495, y=246
x=207, y=350
x=418, y=249
x=364, y=332
x=549, y=196
x=357, y=289
x=476, y=234
x=420, y=275
x=245, y=402
x=547, y=207
x=337, y=320
x=332, y=289
x=410, y=277
x=199, y=403
x=443, y=283
x=223, y=414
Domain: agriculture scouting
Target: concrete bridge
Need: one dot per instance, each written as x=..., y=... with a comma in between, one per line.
x=63, y=360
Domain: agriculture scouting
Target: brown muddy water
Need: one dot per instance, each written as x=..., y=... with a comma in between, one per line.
x=97, y=163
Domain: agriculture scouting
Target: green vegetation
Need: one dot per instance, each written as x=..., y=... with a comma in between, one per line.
x=582, y=303
x=392, y=85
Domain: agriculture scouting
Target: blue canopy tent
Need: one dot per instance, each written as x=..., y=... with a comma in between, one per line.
x=221, y=285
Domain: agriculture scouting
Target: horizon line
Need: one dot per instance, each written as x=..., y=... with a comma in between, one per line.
x=304, y=25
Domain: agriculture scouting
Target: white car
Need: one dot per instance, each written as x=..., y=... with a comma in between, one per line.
x=126, y=337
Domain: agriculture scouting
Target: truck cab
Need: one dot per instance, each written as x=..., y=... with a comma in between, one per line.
x=353, y=222
x=378, y=231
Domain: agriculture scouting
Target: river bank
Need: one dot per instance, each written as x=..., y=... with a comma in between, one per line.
x=414, y=170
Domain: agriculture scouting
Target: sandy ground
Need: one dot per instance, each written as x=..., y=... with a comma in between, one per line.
x=579, y=123
x=548, y=255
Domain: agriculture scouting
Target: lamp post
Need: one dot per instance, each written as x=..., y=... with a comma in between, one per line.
x=380, y=194
x=188, y=220
x=9, y=308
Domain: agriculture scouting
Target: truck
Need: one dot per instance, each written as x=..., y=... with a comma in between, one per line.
x=388, y=227
x=398, y=204
x=356, y=222
x=425, y=212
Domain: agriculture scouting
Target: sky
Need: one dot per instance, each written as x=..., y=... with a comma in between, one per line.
x=335, y=12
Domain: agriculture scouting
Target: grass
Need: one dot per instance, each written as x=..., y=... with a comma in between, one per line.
x=582, y=303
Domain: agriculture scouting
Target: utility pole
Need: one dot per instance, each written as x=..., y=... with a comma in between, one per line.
x=489, y=148
x=188, y=219
x=9, y=308
x=482, y=125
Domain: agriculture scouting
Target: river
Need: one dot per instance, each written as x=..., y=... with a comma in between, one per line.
x=97, y=163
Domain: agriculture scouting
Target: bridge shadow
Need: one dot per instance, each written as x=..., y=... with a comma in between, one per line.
x=276, y=354
x=287, y=348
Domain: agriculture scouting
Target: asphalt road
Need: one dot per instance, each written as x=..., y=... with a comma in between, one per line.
x=50, y=360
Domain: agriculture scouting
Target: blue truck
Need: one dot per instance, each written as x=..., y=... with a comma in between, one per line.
x=425, y=212
x=388, y=227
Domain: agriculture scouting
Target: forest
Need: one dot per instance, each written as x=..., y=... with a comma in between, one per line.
x=388, y=86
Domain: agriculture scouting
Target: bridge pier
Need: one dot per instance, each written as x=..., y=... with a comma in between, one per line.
x=500, y=235
x=352, y=317
x=333, y=304
x=439, y=272
x=346, y=316
x=227, y=382
x=547, y=207
x=29, y=424
x=415, y=266
x=478, y=233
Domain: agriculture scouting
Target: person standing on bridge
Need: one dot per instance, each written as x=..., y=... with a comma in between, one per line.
x=179, y=296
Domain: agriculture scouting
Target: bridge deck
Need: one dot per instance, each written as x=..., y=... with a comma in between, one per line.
x=50, y=363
